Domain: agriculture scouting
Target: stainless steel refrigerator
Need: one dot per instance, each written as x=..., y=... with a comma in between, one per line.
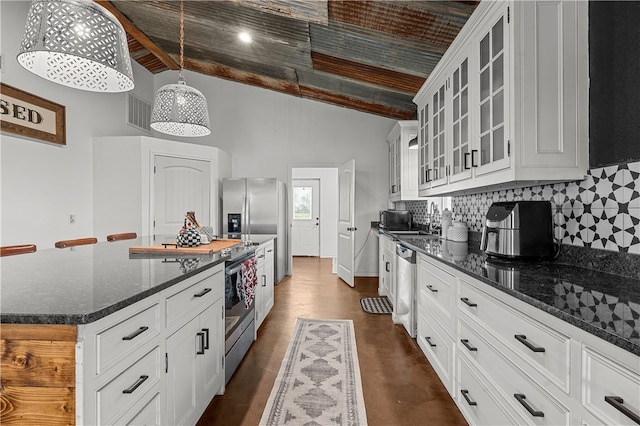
x=257, y=206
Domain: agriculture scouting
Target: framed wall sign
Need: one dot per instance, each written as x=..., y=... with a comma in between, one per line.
x=32, y=116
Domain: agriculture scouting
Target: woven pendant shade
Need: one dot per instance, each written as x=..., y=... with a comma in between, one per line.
x=76, y=43
x=180, y=110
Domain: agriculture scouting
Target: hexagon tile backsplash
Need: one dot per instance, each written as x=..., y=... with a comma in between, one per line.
x=601, y=211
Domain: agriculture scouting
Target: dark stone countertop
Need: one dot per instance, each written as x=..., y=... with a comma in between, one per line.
x=603, y=304
x=79, y=285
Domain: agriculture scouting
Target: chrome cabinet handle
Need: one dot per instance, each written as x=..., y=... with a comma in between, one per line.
x=521, y=399
x=618, y=404
x=465, y=394
x=136, y=385
x=201, y=350
x=202, y=293
x=434, y=290
x=466, y=344
x=466, y=302
x=264, y=281
x=206, y=338
x=386, y=266
x=136, y=333
x=523, y=339
x=428, y=339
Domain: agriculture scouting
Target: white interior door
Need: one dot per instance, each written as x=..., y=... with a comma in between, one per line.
x=305, y=225
x=346, y=220
x=180, y=185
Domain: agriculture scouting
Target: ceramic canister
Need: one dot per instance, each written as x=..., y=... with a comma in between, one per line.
x=458, y=232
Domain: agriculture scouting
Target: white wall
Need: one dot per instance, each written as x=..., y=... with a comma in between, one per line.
x=265, y=132
x=43, y=183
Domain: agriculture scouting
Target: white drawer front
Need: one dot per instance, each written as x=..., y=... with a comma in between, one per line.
x=147, y=413
x=114, y=343
x=436, y=292
x=511, y=381
x=126, y=389
x=542, y=347
x=203, y=292
x=437, y=346
x=474, y=400
x=602, y=378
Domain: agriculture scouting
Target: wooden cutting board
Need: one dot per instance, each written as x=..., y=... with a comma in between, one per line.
x=206, y=249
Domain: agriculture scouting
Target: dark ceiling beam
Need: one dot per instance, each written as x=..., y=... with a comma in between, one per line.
x=357, y=104
x=134, y=32
x=367, y=73
x=231, y=74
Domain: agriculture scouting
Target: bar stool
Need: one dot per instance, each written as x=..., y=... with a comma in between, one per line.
x=123, y=236
x=76, y=242
x=17, y=249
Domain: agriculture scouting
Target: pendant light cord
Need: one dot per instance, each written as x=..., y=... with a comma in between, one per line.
x=181, y=39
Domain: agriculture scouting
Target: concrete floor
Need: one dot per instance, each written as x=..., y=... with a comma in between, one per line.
x=400, y=387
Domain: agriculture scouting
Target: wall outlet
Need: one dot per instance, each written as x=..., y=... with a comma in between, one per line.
x=72, y=218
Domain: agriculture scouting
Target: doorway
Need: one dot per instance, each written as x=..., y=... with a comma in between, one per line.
x=305, y=222
x=328, y=205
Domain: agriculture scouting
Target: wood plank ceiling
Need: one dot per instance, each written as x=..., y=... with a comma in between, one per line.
x=371, y=56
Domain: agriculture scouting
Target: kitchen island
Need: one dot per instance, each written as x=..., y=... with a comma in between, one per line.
x=79, y=324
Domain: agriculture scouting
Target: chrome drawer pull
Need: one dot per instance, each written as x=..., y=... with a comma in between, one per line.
x=428, y=339
x=202, y=293
x=523, y=339
x=136, y=385
x=465, y=394
x=136, y=333
x=521, y=399
x=466, y=302
x=201, y=350
x=386, y=266
x=466, y=344
x=430, y=287
x=617, y=403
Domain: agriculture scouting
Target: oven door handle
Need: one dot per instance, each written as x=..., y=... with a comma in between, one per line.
x=234, y=270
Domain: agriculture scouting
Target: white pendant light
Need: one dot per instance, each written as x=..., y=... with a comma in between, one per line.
x=76, y=43
x=178, y=109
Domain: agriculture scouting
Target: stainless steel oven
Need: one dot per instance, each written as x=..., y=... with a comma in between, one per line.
x=239, y=319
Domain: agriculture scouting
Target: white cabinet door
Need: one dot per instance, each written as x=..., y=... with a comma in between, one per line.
x=264, y=291
x=182, y=373
x=180, y=185
x=424, y=143
x=437, y=174
x=463, y=158
x=212, y=361
x=493, y=100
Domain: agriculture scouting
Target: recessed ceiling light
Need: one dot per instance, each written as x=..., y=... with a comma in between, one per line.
x=245, y=37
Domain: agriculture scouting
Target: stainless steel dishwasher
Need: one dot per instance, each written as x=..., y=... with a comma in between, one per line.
x=404, y=305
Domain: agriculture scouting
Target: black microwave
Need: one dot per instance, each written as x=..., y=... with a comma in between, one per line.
x=395, y=220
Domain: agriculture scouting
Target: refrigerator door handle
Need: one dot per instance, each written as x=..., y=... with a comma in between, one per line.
x=248, y=217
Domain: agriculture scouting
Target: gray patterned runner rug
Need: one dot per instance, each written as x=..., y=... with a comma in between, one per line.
x=319, y=379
